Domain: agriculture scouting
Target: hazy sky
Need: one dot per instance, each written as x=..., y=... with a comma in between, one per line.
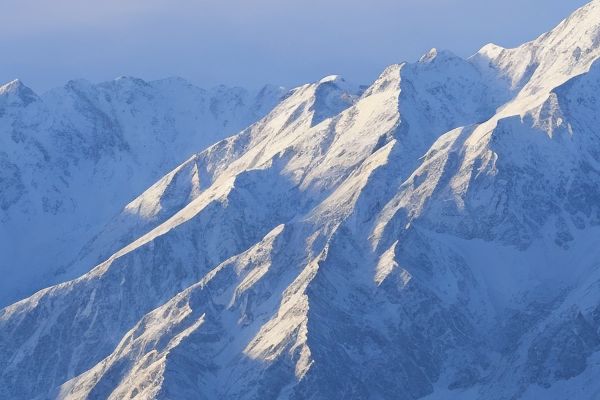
x=250, y=42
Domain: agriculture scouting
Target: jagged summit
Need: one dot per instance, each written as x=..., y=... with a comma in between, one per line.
x=11, y=87
x=435, y=55
x=432, y=236
x=16, y=93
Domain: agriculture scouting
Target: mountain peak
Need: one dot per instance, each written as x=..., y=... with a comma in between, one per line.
x=15, y=92
x=339, y=82
x=435, y=55
x=130, y=82
x=429, y=56
x=490, y=50
x=127, y=78
x=11, y=86
x=332, y=79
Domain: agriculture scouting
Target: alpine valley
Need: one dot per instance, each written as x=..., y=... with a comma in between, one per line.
x=435, y=235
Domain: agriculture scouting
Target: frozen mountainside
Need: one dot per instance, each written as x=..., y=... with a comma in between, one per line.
x=73, y=157
x=431, y=237
x=540, y=65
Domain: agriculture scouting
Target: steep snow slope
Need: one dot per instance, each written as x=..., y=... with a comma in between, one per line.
x=432, y=237
x=71, y=159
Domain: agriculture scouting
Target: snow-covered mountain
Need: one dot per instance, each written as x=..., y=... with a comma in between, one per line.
x=433, y=236
x=71, y=158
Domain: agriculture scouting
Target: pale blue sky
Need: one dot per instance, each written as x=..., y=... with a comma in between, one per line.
x=250, y=42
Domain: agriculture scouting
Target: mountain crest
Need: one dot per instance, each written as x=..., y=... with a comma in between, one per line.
x=16, y=93
x=435, y=55
x=551, y=59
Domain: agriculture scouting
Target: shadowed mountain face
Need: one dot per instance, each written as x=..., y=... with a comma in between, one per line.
x=73, y=157
x=432, y=236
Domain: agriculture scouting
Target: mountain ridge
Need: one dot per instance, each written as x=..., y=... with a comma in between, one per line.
x=430, y=236
x=73, y=156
